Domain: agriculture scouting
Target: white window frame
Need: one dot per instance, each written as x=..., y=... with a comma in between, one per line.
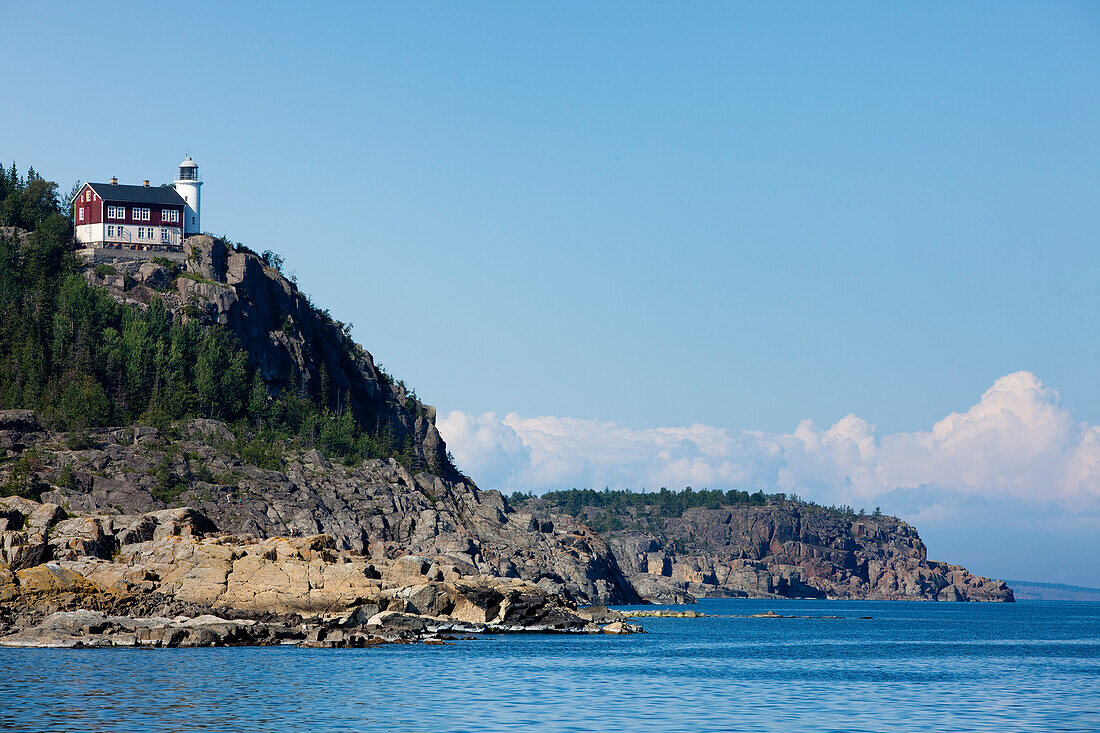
x=110, y=230
x=82, y=213
x=140, y=214
x=164, y=236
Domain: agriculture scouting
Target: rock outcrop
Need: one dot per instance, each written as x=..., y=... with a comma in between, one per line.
x=169, y=578
x=787, y=549
x=375, y=507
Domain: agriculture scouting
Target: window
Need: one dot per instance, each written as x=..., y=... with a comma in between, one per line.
x=82, y=213
x=169, y=215
x=140, y=214
x=116, y=212
x=164, y=235
x=110, y=230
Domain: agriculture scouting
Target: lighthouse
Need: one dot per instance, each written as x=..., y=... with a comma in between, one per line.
x=189, y=187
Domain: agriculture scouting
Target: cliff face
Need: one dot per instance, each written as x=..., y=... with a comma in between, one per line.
x=375, y=507
x=788, y=549
x=292, y=346
x=60, y=576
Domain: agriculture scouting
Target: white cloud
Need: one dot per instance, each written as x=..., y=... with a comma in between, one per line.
x=1018, y=442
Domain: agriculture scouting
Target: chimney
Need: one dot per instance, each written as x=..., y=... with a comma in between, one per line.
x=114, y=181
x=145, y=183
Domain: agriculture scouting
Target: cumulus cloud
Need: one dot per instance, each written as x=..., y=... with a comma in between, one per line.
x=1018, y=442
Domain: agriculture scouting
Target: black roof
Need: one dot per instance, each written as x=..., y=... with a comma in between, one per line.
x=163, y=195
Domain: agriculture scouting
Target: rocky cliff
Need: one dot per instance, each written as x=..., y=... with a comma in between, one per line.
x=169, y=578
x=376, y=507
x=783, y=549
x=294, y=346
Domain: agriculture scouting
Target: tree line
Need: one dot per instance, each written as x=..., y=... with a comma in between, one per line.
x=663, y=503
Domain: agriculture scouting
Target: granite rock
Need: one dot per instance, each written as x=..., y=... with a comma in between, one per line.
x=111, y=586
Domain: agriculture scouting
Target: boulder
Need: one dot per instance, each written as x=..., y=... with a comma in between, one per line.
x=154, y=275
x=23, y=549
x=477, y=603
x=79, y=537
x=392, y=621
x=620, y=627
x=21, y=421
x=206, y=257
x=407, y=570
x=206, y=429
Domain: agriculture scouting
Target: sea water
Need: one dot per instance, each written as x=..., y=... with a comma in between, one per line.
x=1029, y=666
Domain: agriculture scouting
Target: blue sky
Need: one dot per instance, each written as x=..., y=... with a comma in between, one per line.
x=637, y=214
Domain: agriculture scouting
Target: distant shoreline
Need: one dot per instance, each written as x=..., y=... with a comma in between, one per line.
x=1027, y=590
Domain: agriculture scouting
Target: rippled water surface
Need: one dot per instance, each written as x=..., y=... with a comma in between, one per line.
x=1031, y=666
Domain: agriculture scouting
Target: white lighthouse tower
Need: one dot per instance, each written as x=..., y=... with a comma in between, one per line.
x=189, y=187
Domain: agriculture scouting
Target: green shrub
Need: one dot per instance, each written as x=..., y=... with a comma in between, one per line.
x=167, y=486
x=79, y=440
x=24, y=480
x=262, y=454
